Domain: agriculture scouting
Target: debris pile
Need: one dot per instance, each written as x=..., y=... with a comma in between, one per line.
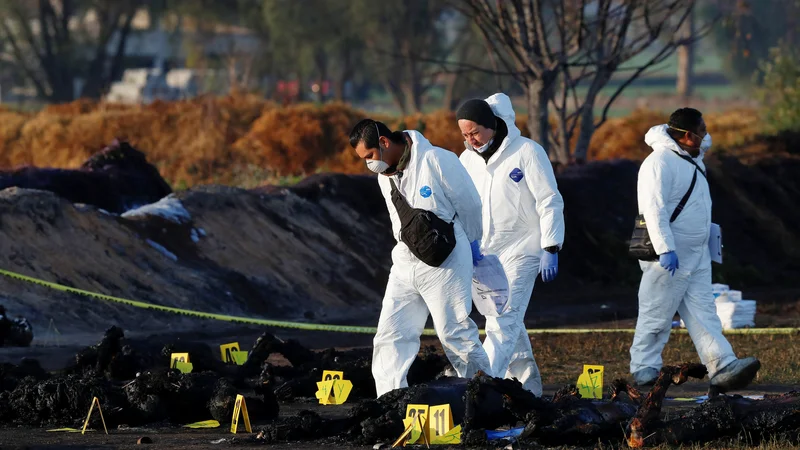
x=136, y=386
x=627, y=418
x=16, y=332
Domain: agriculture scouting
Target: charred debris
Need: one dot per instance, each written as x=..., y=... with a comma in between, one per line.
x=136, y=387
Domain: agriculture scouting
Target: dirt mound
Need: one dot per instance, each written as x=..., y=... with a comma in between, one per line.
x=320, y=251
x=300, y=254
x=115, y=179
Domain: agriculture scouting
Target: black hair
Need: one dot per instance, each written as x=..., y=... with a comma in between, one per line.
x=365, y=131
x=685, y=119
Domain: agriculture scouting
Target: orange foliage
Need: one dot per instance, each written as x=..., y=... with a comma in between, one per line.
x=623, y=137
x=187, y=140
x=245, y=140
x=301, y=139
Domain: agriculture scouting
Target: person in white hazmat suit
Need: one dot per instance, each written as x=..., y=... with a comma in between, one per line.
x=523, y=224
x=681, y=279
x=432, y=179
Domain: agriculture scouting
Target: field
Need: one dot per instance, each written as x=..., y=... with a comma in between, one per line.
x=247, y=142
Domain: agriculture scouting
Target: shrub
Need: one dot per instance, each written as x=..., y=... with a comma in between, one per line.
x=246, y=141
x=781, y=89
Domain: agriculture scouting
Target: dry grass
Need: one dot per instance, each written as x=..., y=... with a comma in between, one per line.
x=561, y=356
x=247, y=141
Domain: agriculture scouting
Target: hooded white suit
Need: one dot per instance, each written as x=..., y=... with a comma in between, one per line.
x=435, y=181
x=522, y=215
x=664, y=178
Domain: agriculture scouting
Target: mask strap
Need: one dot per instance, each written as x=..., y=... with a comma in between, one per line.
x=685, y=131
x=380, y=150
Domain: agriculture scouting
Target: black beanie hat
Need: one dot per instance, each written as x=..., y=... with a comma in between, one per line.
x=478, y=111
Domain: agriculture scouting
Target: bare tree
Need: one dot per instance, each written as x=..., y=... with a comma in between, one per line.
x=685, y=83
x=403, y=38
x=40, y=38
x=565, y=52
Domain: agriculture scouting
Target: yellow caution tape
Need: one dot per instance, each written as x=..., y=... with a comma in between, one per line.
x=335, y=328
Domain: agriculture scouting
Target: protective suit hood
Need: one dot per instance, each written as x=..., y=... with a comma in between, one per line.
x=419, y=141
x=658, y=138
x=502, y=108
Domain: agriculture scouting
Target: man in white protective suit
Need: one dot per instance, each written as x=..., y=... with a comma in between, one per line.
x=681, y=278
x=415, y=174
x=523, y=224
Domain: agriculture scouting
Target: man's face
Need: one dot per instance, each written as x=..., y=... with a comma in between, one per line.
x=475, y=135
x=378, y=159
x=698, y=135
x=369, y=153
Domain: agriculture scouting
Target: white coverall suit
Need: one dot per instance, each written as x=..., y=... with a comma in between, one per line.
x=664, y=178
x=522, y=215
x=435, y=181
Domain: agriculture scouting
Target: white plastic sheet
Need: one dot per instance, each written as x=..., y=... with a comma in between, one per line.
x=715, y=243
x=490, y=286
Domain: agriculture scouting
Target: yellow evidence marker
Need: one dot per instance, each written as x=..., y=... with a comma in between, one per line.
x=66, y=430
x=590, y=382
x=204, y=424
x=441, y=426
x=431, y=425
x=240, y=405
x=417, y=418
x=333, y=389
x=95, y=401
x=232, y=354
x=181, y=362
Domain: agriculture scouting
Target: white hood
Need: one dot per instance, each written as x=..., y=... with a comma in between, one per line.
x=502, y=108
x=418, y=139
x=658, y=138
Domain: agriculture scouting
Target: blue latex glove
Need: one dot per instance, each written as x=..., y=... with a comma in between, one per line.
x=549, y=266
x=669, y=261
x=476, y=252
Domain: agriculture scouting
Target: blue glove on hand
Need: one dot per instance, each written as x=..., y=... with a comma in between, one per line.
x=476, y=252
x=549, y=266
x=669, y=261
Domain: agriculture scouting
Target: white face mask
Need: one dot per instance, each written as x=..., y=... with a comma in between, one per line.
x=705, y=144
x=377, y=165
x=484, y=147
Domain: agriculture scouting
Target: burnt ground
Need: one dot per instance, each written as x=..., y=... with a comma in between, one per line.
x=176, y=437
x=560, y=358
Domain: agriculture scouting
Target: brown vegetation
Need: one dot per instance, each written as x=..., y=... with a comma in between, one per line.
x=247, y=141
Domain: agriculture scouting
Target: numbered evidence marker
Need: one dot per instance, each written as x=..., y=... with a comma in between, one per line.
x=240, y=405
x=441, y=426
x=416, y=426
x=231, y=354
x=333, y=389
x=431, y=424
x=95, y=401
x=590, y=382
x=181, y=362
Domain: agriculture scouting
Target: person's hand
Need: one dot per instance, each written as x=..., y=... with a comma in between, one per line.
x=476, y=252
x=669, y=261
x=549, y=266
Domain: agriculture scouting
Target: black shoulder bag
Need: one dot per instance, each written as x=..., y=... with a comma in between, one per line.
x=429, y=238
x=641, y=246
